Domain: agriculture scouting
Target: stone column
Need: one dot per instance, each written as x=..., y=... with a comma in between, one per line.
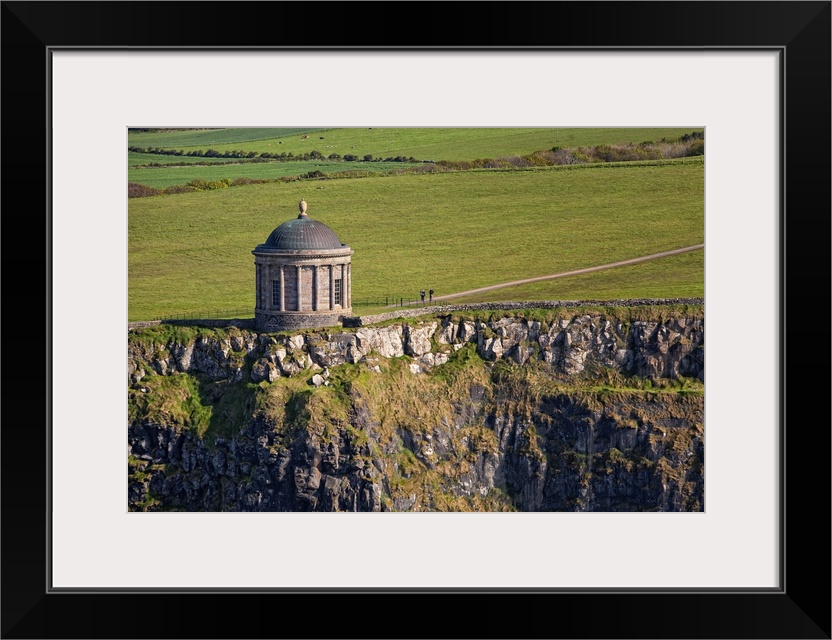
x=331, y=287
x=262, y=287
x=258, y=284
x=282, y=289
x=343, y=286
x=266, y=278
x=341, y=279
x=348, y=299
x=265, y=275
x=300, y=287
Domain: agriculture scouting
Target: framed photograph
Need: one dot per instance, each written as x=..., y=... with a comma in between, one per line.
x=755, y=77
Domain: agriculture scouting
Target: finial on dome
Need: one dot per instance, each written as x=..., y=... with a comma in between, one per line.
x=302, y=207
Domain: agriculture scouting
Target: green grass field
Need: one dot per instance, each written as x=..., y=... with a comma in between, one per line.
x=453, y=232
x=134, y=159
x=678, y=276
x=202, y=137
x=162, y=177
x=422, y=144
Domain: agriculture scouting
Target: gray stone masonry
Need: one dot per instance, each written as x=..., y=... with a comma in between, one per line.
x=327, y=320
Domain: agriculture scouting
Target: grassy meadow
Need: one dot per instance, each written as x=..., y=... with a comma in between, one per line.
x=678, y=276
x=455, y=231
x=422, y=144
x=135, y=159
x=161, y=177
x=207, y=137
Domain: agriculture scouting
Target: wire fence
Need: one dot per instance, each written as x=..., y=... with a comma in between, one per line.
x=393, y=301
x=223, y=314
x=209, y=314
x=245, y=316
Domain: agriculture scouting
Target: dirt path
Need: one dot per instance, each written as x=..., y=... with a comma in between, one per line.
x=611, y=265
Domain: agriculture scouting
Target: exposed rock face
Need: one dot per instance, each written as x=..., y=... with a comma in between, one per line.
x=669, y=349
x=417, y=339
x=566, y=457
x=492, y=443
x=387, y=342
x=252, y=473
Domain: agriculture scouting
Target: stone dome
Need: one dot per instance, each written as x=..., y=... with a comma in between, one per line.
x=300, y=234
x=303, y=276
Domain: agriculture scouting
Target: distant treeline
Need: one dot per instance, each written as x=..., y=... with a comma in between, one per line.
x=691, y=144
x=261, y=157
x=138, y=190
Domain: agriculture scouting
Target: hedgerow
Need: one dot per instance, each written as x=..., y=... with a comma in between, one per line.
x=253, y=156
x=692, y=144
x=688, y=145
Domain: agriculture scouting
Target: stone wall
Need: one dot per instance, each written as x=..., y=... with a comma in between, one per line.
x=359, y=321
x=286, y=321
x=290, y=290
x=334, y=319
x=307, y=289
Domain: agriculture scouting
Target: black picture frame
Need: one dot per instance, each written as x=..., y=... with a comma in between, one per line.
x=800, y=608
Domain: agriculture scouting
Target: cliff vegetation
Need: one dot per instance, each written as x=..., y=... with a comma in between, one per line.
x=538, y=410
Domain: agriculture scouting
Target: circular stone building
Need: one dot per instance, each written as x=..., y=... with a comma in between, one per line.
x=302, y=276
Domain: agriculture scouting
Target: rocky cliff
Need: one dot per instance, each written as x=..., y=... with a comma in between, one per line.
x=547, y=411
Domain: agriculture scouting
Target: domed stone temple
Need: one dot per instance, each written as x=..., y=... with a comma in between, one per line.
x=302, y=276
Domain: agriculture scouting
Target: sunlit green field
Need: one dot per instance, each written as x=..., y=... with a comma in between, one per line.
x=134, y=159
x=167, y=176
x=452, y=232
x=679, y=276
x=422, y=144
x=209, y=137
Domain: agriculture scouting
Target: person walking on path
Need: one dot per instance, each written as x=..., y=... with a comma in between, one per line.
x=422, y=295
x=431, y=295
